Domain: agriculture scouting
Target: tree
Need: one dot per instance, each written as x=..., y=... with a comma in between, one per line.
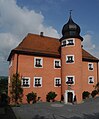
x=16, y=90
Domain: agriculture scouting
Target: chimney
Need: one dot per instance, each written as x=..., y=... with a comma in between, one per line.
x=41, y=34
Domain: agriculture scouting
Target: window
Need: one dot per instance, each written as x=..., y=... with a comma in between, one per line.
x=37, y=81
x=90, y=79
x=69, y=58
x=38, y=62
x=90, y=66
x=57, y=82
x=25, y=81
x=64, y=43
x=70, y=80
x=70, y=42
x=57, y=63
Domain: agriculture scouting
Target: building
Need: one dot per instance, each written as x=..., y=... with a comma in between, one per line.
x=49, y=64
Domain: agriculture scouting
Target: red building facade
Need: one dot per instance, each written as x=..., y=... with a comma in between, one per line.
x=49, y=64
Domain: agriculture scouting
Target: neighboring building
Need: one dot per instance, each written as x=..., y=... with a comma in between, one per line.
x=49, y=64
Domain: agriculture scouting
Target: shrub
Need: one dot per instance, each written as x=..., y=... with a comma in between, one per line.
x=51, y=96
x=31, y=97
x=85, y=94
x=94, y=93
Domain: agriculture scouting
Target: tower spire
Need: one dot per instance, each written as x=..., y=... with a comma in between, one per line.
x=70, y=11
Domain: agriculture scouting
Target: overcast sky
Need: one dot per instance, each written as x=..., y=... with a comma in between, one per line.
x=20, y=17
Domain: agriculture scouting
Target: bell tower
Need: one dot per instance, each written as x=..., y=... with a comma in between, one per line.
x=71, y=59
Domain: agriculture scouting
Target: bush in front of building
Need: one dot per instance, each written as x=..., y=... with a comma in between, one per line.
x=94, y=93
x=31, y=97
x=51, y=96
x=85, y=95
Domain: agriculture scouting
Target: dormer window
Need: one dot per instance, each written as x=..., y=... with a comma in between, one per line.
x=70, y=80
x=69, y=58
x=38, y=62
x=57, y=63
x=90, y=66
x=90, y=79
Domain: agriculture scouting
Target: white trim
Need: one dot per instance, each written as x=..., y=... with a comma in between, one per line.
x=70, y=62
x=35, y=61
x=92, y=80
x=10, y=63
x=66, y=40
x=65, y=95
x=55, y=81
x=91, y=67
x=59, y=63
x=40, y=82
x=67, y=79
x=9, y=79
x=28, y=82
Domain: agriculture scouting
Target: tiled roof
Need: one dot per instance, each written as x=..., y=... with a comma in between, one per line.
x=42, y=45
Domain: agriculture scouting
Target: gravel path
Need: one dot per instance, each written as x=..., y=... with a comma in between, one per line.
x=87, y=110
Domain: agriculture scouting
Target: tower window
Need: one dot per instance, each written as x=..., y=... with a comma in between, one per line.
x=57, y=63
x=69, y=58
x=70, y=80
x=90, y=66
x=37, y=81
x=64, y=43
x=25, y=81
x=90, y=79
x=38, y=62
x=57, y=82
x=70, y=42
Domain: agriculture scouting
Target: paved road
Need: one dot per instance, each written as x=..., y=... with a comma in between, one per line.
x=8, y=114
x=87, y=110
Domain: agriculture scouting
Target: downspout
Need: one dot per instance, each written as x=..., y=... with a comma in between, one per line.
x=16, y=97
x=97, y=73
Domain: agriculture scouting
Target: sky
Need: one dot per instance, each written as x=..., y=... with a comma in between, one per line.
x=20, y=17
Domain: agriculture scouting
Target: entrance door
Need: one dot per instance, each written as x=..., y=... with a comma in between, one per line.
x=70, y=97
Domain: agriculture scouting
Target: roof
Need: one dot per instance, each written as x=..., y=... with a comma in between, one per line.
x=40, y=45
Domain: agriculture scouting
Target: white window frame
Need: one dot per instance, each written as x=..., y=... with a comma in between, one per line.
x=89, y=79
x=59, y=63
x=63, y=43
x=9, y=79
x=91, y=67
x=67, y=59
x=35, y=62
x=67, y=40
x=55, y=81
x=73, y=79
x=28, y=82
x=40, y=82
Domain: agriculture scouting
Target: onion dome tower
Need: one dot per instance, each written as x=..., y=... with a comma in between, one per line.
x=71, y=30
x=71, y=61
